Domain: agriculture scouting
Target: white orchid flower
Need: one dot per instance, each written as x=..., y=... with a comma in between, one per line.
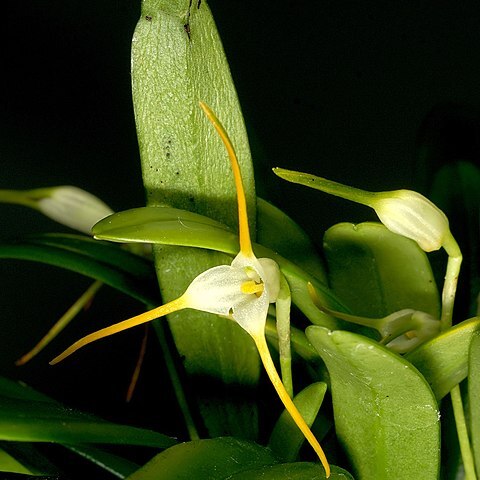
x=241, y=291
x=70, y=206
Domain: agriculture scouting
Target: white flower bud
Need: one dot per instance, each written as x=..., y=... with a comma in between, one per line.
x=73, y=207
x=412, y=215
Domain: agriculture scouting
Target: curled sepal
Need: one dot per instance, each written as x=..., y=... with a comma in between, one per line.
x=401, y=331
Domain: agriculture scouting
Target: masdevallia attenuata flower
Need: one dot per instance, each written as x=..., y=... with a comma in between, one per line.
x=241, y=291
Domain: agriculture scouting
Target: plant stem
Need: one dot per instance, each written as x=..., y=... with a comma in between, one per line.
x=66, y=318
x=463, y=439
x=176, y=382
x=283, y=330
x=448, y=299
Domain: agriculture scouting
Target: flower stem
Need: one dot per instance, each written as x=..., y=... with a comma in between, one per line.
x=160, y=328
x=462, y=432
x=448, y=299
x=283, y=330
x=66, y=318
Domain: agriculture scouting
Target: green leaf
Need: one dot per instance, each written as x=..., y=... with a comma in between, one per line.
x=286, y=438
x=376, y=272
x=443, y=360
x=293, y=471
x=214, y=459
x=29, y=416
x=386, y=416
x=100, y=266
x=178, y=60
x=29, y=421
x=280, y=233
x=474, y=396
x=167, y=226
x=170, y=226
x=103, y=252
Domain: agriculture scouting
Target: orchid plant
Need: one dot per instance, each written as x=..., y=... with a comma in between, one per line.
x=372, y=360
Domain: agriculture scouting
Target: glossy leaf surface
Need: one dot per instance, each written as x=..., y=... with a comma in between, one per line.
x=474, y=397
x=280, y=233
x=169, y=226
x=386, y=416
x=28, y=416
x=443, y=361
x=213, y=459
x=177, y=61
x=376, y=272
x=293, y=471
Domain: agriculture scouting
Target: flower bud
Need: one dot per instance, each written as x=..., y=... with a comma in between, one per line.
x=412, y=215
x=73, y=207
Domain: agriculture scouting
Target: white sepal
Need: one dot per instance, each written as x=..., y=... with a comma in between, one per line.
x=410, y=214
x=74, y=207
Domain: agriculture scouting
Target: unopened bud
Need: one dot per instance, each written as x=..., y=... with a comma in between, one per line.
x=73, y=207
x=412, y=215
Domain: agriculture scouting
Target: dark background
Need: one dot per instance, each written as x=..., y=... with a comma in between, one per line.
x=337, y=88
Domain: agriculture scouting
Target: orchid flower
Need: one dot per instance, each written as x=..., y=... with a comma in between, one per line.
x=241, y=291
x=70, y=206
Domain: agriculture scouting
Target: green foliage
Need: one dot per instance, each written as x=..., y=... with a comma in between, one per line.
x=386, y=416
x=378, y=412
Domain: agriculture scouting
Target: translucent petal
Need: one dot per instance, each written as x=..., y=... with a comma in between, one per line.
x=412, y=215
x=74, y=207
x=219, y=290
x=271, y=272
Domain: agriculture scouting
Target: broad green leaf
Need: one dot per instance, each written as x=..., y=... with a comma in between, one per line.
x=178, y=60
x=280, y=233
x=30, y=421
x=293, y=471
x=386, y=416
x=474, y=397
x=376, y=272
x=169, y=226
x=443, y=360
x=286, y=438
x=83, y=262
x=15, y=391
x=103, y=252
x=214, y=459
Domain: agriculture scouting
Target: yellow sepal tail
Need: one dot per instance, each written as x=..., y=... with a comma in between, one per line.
x=173, y=306
x=244, y=232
